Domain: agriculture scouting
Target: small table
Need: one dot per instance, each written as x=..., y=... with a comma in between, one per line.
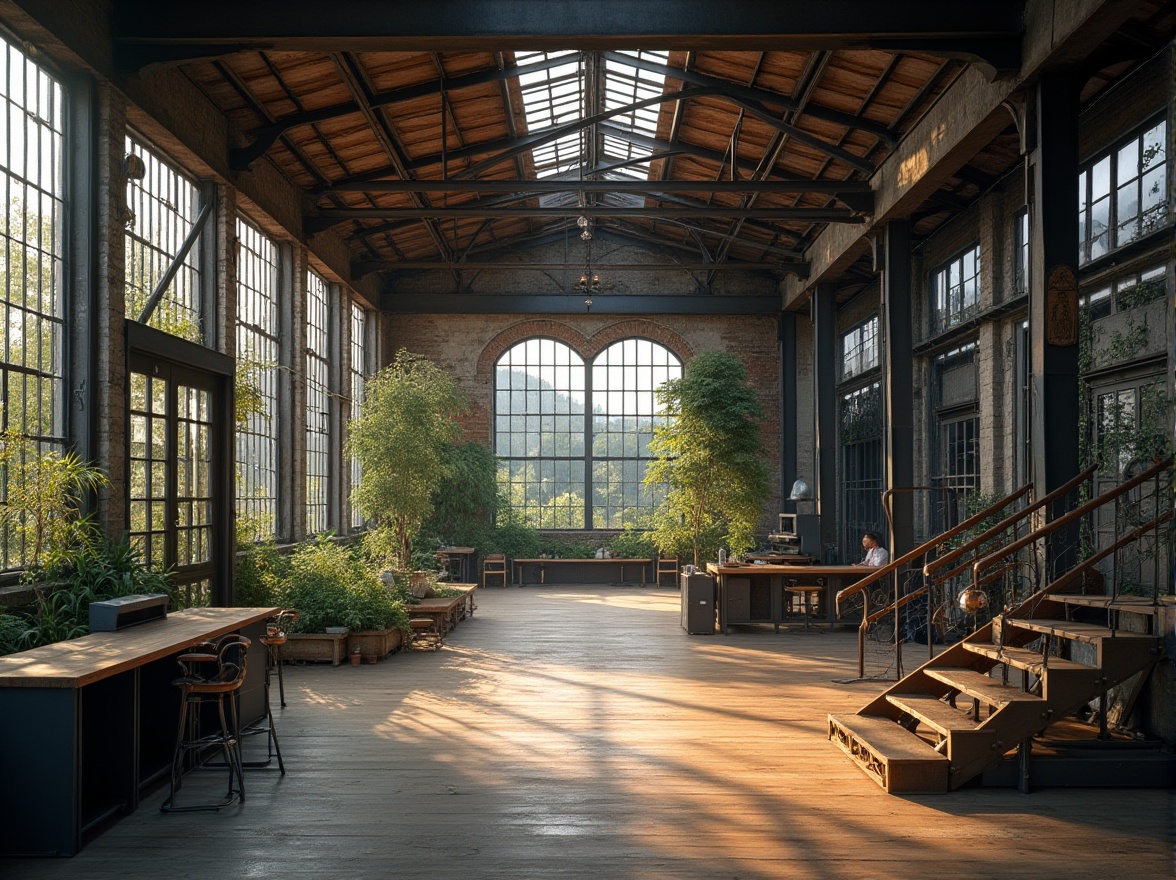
x=444, y=612
x=461, y=555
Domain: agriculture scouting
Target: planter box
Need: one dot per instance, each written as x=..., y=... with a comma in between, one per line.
x=374, y=644
x=323, y=647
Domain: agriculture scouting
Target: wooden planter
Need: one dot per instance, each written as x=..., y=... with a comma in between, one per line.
x=374, y=644
x=321, y=647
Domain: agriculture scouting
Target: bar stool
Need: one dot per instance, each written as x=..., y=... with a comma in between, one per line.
x=807, y=593
x=275, y=637
x=212, y=673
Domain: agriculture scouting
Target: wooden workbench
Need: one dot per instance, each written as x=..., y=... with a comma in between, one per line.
x=751, y=593
x=93, y=721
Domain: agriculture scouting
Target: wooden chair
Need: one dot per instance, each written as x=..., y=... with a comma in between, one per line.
x=666, y=565
x=494, y=566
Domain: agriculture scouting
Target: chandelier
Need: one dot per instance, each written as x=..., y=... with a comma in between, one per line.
x=589, y=281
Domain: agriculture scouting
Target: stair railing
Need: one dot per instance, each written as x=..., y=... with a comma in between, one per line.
x=1078, y=513
x=895, y=564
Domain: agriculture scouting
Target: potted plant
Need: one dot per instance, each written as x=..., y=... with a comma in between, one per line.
x=710, y=455
x=331, y=587
x=400, y=441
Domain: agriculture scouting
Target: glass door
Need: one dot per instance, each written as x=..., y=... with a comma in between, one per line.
x=174, y=458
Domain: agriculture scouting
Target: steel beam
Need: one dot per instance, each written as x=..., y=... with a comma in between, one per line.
x=149, y=32
x=572, y=303
x=365, y=266
x=632, y=185
x=328, y=217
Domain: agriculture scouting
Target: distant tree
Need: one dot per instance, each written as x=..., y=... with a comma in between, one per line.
x=400, y=440
x=710, y=455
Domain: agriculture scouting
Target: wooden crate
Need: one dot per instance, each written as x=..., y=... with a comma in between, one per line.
x=320, y=647
x=374, y=643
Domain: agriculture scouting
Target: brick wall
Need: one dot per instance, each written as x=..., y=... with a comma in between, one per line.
x=469, y=345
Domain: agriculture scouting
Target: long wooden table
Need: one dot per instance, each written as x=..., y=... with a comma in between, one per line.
x=541, y=567
x=751, y=593
x=461, y=555
x=87, y=724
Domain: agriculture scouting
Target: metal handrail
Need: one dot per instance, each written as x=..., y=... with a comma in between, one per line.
x=1008, y=521
x=895, y=564
x=1070, y=517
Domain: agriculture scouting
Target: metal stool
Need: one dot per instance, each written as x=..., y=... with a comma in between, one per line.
x=807, y=593
x=197, y=686
x=274, y=638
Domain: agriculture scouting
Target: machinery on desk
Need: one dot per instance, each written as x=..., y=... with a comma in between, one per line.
x=799, y=534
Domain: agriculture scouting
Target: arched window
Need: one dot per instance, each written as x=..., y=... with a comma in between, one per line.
x=559, y=469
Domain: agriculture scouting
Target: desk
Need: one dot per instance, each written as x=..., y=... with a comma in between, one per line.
x=86, y=724
x=756, y=593
x=579, y=571
x=461, y=555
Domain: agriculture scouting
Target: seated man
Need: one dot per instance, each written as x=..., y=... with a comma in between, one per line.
x=876, y=554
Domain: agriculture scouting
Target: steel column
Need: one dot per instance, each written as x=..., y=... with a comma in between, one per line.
x=788, y=399
x=824, y=305
x=897, y=381
x=1053, y=304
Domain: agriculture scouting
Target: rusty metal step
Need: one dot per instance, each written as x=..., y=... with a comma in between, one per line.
x=1023, y=658
x=895, y=758
x=980, y=687
x=935, y=713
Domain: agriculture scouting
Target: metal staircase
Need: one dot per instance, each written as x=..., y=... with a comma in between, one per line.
x=1060, y=650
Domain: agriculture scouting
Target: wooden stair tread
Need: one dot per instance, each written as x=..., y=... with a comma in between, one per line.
x=1072, y=629
x=1135, y=604
x=1022, y=658
x=980, y=686
x=886, y=736
x=933, y=712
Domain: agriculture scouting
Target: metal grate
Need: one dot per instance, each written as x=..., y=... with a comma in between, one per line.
x=359, y=372
x=318, y=416
x=163, y=206
x=32, y=244
x=861, y=468
x=257, y=367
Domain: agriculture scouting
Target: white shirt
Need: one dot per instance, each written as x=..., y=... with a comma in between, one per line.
x=876, y=557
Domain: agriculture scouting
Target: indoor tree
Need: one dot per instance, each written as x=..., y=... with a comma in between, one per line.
x=710, y=458
x=400, y=440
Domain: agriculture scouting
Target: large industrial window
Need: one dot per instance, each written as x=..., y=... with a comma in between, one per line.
x=1123, y=194
x=957, y=460
x=955, y=290
x=318, y=415
x=257, y=386
x=1129, y=290
x=859, y=349
x=359, y=371
x=560, y=471
x=32, y=245
x=1021, y=252
x=860, y=426
x=163, y=207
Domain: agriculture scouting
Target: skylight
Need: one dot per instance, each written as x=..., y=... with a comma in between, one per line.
x=557, y=96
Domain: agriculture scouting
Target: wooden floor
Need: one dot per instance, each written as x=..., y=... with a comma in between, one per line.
x=579, y=732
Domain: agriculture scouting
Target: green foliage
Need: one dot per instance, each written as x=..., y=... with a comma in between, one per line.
x=43, y=494
x=516, y=539
x=380, y=549
x=12, y=627
x=466, y=498
x=261, y=569
x=400, y=441
x=633, y=544
x=330, y=586
x=558, y=547
x=711, y=456
x=90, y=570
